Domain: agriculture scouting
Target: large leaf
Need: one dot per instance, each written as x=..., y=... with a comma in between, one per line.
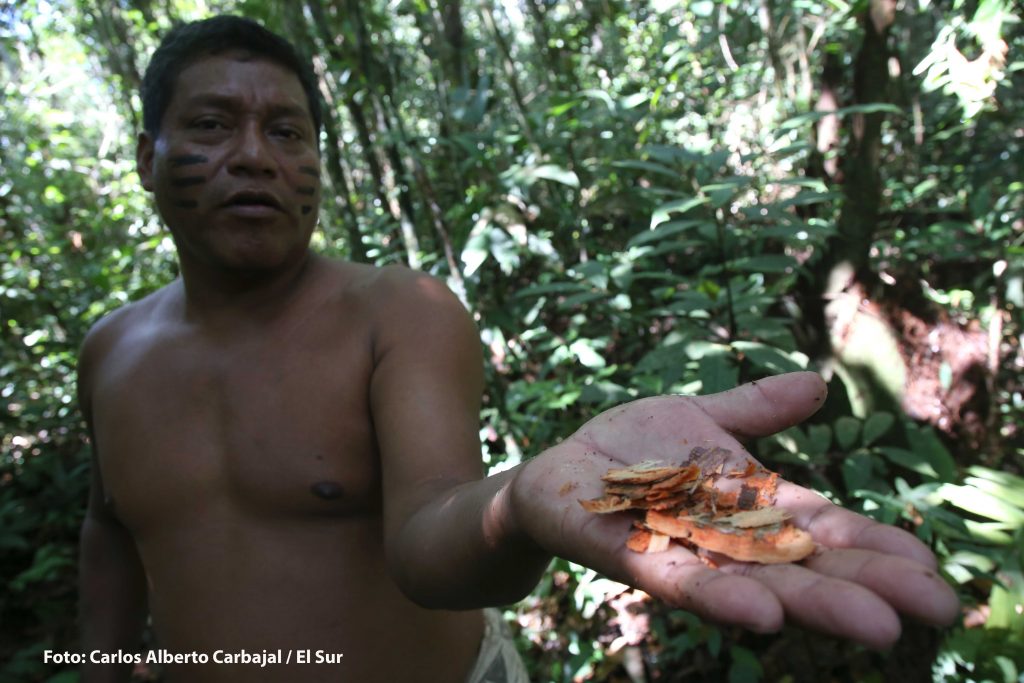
x=983, y=504
x=662, y=213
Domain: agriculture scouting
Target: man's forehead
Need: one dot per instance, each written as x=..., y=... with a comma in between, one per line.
x=239, y=75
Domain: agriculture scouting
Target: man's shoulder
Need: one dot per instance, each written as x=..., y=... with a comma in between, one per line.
x=405, y=306
x=112, y=329
x=390, y=285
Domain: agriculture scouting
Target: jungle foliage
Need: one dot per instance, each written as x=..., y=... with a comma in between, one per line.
x=631, y=198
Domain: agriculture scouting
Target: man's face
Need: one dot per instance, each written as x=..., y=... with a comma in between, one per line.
x=235, y=168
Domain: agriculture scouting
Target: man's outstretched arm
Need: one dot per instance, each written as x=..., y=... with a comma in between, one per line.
x=450, y=536
x=457, y=541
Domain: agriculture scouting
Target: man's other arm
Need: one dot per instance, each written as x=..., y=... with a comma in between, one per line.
x=112, y=583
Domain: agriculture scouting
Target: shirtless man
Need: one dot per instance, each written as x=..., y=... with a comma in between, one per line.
x=287, y=448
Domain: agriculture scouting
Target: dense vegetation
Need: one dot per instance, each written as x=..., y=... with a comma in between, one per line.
x=632, y=197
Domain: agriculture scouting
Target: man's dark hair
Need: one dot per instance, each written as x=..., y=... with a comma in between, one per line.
x=186, y=43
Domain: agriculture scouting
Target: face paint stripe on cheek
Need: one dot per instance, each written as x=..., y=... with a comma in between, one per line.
x=310, y=170
x=306, y=210
x=307, y=191
x=188, y=160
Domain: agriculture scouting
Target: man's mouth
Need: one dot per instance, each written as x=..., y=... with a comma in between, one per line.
x=254, y=199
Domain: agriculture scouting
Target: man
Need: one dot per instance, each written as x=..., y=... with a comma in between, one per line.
x=286, y=447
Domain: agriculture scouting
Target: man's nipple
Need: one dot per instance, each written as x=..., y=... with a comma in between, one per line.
x=327, y=490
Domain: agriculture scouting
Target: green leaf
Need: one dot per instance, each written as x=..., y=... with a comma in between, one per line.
x=925, y=442
x=559, y=109
x=770, y=358
x=847, y=430
x=980, y=503
x=911, y=460
x=552, y=288
x=601, y=95
x=876, y=425
x=767, y=263
x=810, y=117
x=717, y=372
x=604, y=391
x=584, y=351
x=650, y=166
x=1014, y=495
x=745, y=666
x=856, y=470
x=819, y=438
x=662, y=231
x=808, y=198
x=662, y=213
x=1005, y=602
x=557, y=174
x=989, y=532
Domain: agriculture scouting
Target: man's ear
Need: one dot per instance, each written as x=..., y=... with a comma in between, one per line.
x=145, y=148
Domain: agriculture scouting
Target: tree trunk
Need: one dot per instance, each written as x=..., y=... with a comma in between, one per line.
x=342, y=194
x=505, y=52
x=385, y=186
x=118, y=52
x=862, y=183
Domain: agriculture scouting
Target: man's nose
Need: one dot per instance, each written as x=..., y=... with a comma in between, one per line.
x=251, y=154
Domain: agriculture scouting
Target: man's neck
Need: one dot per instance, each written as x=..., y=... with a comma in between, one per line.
x=219, y=297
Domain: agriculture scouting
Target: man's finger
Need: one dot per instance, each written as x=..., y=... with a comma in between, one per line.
x=836, y=527
x=828, y=605
x=912, y=589
x=768, y=405
x=677, y=577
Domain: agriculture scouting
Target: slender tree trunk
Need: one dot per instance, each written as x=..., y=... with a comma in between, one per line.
x=342, y=195
x=766, y=17
x=377, y=77
x=118, y=52
x=552, y=55
x=487, y=16
x=385, y=186
x=862, y=183
x=845, y=258
x=390, y=120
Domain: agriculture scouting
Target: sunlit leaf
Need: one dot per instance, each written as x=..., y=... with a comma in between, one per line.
x=980, y=503
x=662, y=213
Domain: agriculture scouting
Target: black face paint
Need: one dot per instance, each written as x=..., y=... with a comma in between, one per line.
x=328, y=490
x=308, y=191
x=187, y=160
x=189, y=181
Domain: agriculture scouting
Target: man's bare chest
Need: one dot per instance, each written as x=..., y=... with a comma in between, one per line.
x=281, y=428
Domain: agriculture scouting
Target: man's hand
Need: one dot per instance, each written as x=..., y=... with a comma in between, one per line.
x=864, y=574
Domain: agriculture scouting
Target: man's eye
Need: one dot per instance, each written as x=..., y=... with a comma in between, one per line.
x=288, y=133
x=208, y=124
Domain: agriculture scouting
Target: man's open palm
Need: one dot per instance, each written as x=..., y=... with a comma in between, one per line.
x=862, y=575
